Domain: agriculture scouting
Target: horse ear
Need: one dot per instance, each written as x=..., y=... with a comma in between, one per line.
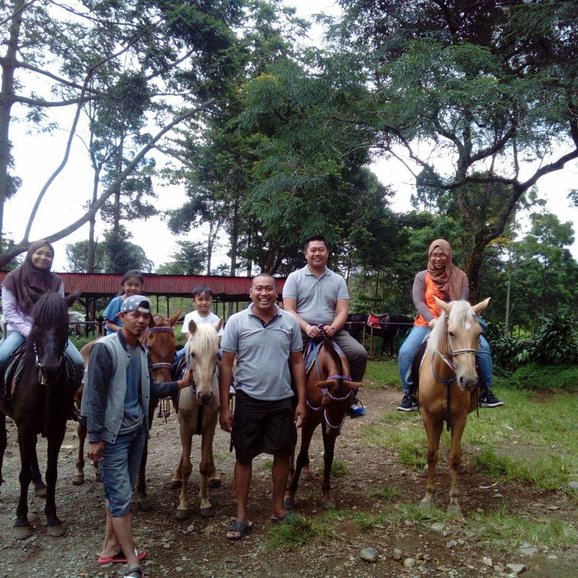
x=481, y=305
x=443, y=305
x=192, y=326
x=218, y=325
x=174, y=317
x=72, y=297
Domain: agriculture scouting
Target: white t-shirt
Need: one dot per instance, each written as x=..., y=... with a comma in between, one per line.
x=194, y=315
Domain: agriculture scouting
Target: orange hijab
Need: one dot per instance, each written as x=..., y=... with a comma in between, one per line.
x=451, y=279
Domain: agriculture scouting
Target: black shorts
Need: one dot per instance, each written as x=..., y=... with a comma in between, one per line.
x=262, y=427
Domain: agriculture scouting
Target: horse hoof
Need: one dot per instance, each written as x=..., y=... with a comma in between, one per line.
x=289, y=503
x=144, y=504
x=56, y=531
x=454, y=511
x=182, y=515
x=328, y=505
x=215, y=483
x=21, y=532
x=306, y=475
x=78, y=480
x=40, y=491
x=207, y=512
x=176, y=484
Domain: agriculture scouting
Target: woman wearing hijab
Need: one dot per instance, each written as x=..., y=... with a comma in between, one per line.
x=447, y=282
x=21, y=289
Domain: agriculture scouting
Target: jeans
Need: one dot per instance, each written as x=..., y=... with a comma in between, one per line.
x=119, y=469
x=15, y=339
x=412, y=343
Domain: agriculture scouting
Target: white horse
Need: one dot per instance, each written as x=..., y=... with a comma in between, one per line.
x=198, y=414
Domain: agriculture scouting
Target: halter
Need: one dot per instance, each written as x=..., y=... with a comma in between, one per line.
x=165, y=403
x=41, y=367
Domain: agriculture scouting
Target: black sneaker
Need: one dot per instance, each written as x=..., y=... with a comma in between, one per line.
x=408, y=403
x=488, y=399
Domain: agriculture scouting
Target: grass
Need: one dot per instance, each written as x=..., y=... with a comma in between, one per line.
x=380, y=374
x=338, y=468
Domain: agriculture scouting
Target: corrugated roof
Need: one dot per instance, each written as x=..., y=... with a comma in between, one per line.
x=101, y=284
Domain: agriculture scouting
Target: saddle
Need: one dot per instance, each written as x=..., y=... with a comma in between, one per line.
x=373, y=320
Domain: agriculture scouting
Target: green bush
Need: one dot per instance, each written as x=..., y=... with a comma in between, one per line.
x=534, y=376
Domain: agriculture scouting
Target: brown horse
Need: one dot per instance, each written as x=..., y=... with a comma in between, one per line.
x=329, y=392
x=448, y=387
x=198, y=414
x=41, y=403
x=161, y=343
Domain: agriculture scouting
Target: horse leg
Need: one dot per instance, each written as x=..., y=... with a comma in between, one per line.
x=302, y=459
x=184, y=507
x=3, y=442
x=214, y=475
x=177, y=482
x=329, y=451
x=39, y=485
x=207, y=436
x=78, y=478
x=455, y=461
x=433, y=428
x=54, y=525
x=140, y=494
x=27, y=445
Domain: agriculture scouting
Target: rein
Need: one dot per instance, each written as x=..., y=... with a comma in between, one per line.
x=449, y=361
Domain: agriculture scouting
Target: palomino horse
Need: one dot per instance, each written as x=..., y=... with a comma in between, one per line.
x=329, y=392
x=41, y=404
x=448, y=387
x=161, y=343
x=198, y=414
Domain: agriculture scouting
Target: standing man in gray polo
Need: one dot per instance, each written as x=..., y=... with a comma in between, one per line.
x=267, y=344
x=319, y=300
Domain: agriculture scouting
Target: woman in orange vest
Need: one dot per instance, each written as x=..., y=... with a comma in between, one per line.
x=448, y=283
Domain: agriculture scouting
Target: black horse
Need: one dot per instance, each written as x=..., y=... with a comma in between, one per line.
x=41, y=404
x=388, y=326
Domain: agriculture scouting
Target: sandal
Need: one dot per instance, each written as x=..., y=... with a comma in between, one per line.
x=288, y=518
x=238, y=530
x=134, y=573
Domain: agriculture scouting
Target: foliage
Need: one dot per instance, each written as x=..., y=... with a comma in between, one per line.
x=188, y=260
x=543, y=377
x=121, y=255
x=77, y=256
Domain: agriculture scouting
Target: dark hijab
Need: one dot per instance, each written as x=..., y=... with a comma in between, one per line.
x=27, y=283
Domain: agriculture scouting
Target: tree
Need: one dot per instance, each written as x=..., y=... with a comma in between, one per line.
x=57, y=55
x=79, y=258
x=189, y=260
x=488, y=87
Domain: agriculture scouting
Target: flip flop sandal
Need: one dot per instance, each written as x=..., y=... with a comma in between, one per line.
x=120, y=558
x=134, y=573
x=240, y=528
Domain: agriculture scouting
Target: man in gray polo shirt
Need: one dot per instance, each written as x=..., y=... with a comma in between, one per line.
x=269, y=349
x=319, y=300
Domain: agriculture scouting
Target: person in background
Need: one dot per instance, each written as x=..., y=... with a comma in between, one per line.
x=131, y=284
x=202, y=300
x=448, y=283
x=21, y=289
x=115, y=402
x=319, y=300
x=266, y=342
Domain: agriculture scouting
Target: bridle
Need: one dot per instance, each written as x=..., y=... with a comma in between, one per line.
x=161, y=364
x=41, y=367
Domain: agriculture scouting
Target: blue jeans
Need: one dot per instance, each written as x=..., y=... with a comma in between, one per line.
x=412, y=343
x=15, y=339
x=119, y=469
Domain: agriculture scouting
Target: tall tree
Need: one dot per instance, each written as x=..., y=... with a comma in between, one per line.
x=58, y=55
x=488, y=87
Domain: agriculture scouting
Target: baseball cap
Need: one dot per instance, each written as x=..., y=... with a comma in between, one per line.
x=136, y=303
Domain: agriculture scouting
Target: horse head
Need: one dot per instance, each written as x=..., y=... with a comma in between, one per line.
x=201, y=354
x=161, y=343
x=49, y=335
x=458, y=326
x=336, y=385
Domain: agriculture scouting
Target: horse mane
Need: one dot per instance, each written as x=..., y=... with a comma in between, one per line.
x=330, y=348
x=202, y=339
x=50, y=311
x=460, y=315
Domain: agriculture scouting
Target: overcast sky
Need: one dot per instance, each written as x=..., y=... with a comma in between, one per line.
x=37, y=155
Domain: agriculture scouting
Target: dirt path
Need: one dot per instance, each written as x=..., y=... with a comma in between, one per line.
x=197, y=547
